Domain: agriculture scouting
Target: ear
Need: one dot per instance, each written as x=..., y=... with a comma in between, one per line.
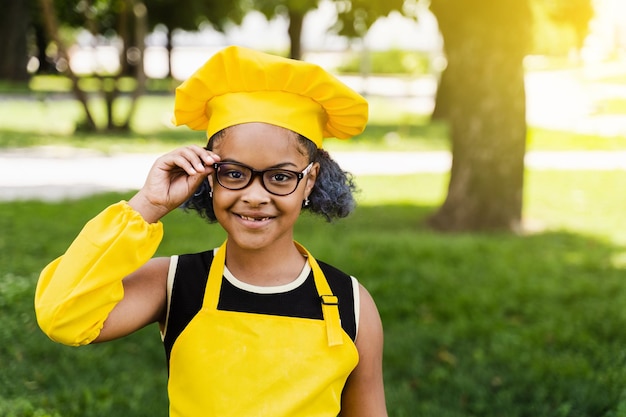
x=311, y=178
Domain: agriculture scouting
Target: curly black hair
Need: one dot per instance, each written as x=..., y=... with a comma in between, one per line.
x=332, y=196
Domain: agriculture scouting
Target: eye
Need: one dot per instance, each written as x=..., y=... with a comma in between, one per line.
x=232, y=173
x=281, y=176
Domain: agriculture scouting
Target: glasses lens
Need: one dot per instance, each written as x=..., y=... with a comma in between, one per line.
x=233, y=176
x=280, y=181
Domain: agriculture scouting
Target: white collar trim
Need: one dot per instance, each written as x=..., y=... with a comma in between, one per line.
x=276, y=289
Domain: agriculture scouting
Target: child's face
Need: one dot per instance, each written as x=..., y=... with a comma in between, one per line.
x=253, y=217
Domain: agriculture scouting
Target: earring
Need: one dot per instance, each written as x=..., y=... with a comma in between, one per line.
x=305, y=203
x=211, y=194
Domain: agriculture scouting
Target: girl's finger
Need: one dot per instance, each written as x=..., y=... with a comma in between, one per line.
x=175, y=163
x=193, y=156
x=209, y=157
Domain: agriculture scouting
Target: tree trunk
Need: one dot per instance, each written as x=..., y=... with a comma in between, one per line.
x=170, y=48
x=140, y=14
x=482, y=98
x=52, y=26
x=14, y=23
x=296, y=20
x=46, y=66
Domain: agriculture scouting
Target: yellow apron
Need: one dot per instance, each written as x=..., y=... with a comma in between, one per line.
x=237, y=364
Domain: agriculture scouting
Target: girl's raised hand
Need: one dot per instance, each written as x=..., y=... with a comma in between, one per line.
x=173, y=178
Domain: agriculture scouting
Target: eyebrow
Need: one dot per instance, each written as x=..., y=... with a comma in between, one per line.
x=277, y=166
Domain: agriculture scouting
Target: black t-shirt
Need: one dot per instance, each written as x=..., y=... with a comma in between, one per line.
x=302, y=301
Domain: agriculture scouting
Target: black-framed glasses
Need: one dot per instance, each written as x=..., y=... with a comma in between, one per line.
x=277, y=181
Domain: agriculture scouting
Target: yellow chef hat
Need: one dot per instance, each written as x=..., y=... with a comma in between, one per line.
x=239, y=85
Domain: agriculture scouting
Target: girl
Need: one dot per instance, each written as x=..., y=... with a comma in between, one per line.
x=256, y=327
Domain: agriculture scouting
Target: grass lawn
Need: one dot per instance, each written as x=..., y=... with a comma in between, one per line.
x=392, y=127
x=489, y=325
x=475, y=325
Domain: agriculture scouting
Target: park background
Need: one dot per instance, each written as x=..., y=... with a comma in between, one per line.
x=526, y=321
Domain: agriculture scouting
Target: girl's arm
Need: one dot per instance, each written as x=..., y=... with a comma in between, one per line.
x=144, y=302
x=364, y=395
x=105, y=285
x=78, y=290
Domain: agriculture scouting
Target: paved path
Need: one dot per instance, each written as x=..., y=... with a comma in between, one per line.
x=56, y=173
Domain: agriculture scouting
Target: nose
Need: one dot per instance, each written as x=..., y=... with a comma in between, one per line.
x=255, y=193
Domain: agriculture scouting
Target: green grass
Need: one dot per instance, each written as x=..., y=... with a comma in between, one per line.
x=392, y=127
x=475, y=324
x=54, y=124
x=47, y=84
x=540, y=139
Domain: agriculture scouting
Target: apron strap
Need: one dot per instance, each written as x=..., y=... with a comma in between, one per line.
x=330, y=302
x=214, y=281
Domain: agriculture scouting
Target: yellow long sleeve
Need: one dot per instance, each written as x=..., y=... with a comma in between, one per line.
x=77, y=291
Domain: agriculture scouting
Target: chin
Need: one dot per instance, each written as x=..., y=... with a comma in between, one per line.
x=250, y=242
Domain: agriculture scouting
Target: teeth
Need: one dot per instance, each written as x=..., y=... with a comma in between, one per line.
x=252, y=219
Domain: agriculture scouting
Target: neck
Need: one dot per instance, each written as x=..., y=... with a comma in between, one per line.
x=267, y=266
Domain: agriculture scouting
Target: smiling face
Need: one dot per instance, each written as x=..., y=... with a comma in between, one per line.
x=254, y=218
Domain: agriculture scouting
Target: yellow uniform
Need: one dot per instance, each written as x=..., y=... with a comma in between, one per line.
x=229, y=363
x=224, y=363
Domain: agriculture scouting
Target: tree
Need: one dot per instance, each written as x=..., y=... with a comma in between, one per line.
x=189, y=15
x=128, y=19
x=294, y=10
x=51, y=23
x=354, y=17
x=481, y=96
x=573, y=13
x=560, y=26
x=14, y=23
